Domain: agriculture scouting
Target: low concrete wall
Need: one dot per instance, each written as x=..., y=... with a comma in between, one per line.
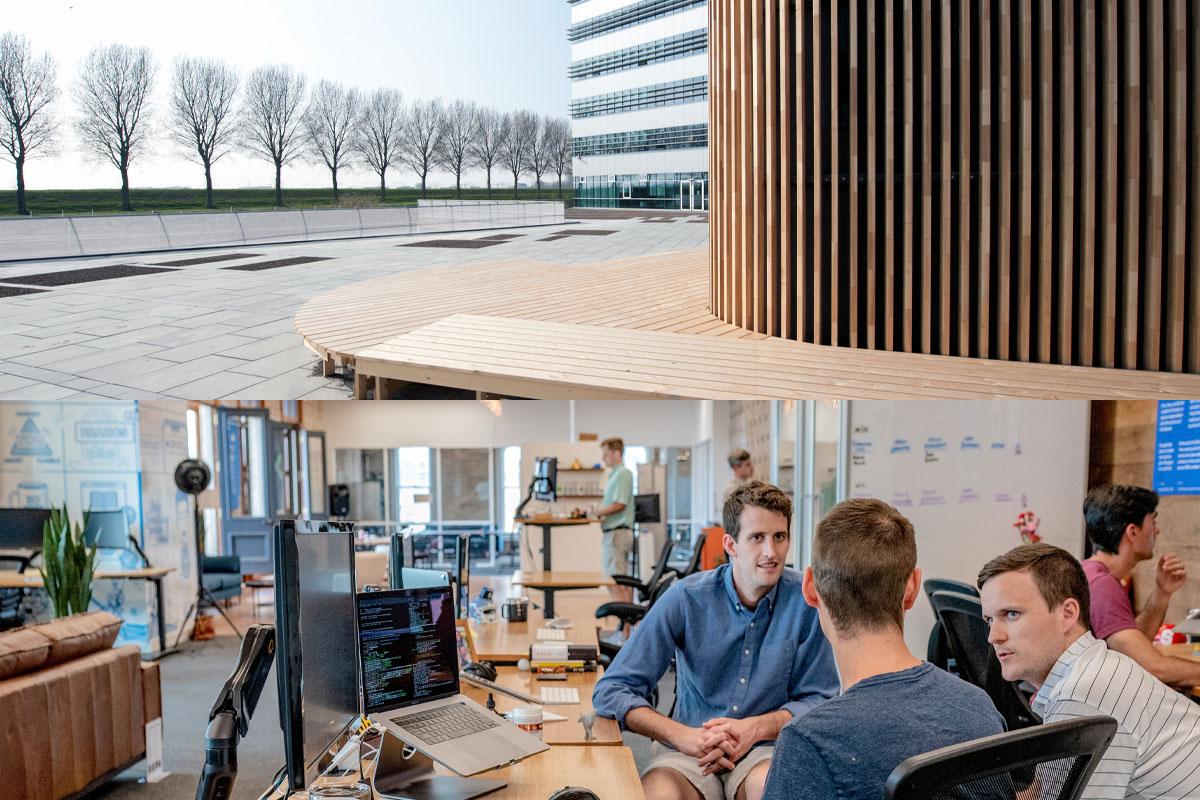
x=59, y=237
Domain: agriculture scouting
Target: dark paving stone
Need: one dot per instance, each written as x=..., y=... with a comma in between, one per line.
x=17, y=291
x=459, y=244
x=501, y=237
x=187, y=262
x=282, y=262
x=699, y=221
x=70, y=276
x=585, y=232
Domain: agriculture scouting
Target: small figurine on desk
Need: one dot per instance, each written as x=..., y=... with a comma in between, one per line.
x=588, y=720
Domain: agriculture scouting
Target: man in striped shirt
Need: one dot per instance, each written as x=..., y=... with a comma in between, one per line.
x=1035, y=600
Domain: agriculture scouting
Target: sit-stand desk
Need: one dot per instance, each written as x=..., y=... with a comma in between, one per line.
x=550, y=582
x=548, y=523
x=566, y=732
x=18, y=580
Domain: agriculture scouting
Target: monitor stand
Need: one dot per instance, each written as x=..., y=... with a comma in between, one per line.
x=400, y=778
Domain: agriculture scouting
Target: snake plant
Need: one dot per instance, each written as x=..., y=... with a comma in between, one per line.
x=67, y=564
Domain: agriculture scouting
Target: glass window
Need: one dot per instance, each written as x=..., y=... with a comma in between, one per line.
x=464, y=478
x=314, y=446
x=363, y=472
x=627, y=17
x=251, y=500
x=510, y=486
x=681, y=45
x=414, y=484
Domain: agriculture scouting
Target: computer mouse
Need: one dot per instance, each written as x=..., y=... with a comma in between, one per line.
x=559, y=623
x=481, y=669
x=574, y=793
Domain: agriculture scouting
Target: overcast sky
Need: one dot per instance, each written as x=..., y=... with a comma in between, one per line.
x=505, y=53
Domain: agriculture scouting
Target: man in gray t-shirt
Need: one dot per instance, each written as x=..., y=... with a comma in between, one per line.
x=863, y=579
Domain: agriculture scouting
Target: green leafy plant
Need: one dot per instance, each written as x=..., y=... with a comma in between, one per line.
x=67, y=564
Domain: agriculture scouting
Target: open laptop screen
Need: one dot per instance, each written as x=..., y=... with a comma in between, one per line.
x=407, y=647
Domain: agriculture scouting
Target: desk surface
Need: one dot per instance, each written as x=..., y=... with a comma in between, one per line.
x=19, y=580
x=569, y=731
x=561, y=579
x=1184, y=651
x=555, y=521
x=610, y=772
x=507, y=642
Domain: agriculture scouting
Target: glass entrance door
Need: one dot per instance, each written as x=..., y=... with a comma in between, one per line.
x=245, y=518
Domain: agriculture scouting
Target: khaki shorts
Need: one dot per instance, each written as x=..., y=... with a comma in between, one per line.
x=717, y=786
x=615, y=547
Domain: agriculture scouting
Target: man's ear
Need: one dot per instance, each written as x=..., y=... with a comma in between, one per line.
x=728, y=543
x=809, y=589
x=912, y=589
x=1068, y=614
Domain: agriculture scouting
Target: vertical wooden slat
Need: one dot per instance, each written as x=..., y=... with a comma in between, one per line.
x=965, y=180
x=1069, y=259
x=1109, y=122
x=819, y=243
x=835, y=170
x=759, y=281
x=1176, y=112
x=785, y=94
x=985, y=179
x=1192, y=329
x=889, y=177
x=947, y=168
x=852, y=185
x=1150, y=333
x=1022, y=295
x=804, y=194
x=910, y=77
x=1132, y=188
x=927, y=134
x=1004, y=254
x=1044, y=324
x=1087, y=202
x=875, y=49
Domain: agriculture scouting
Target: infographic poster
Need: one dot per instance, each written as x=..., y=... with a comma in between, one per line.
x=1177, y=447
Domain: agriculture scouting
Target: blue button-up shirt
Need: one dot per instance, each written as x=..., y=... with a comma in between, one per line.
x=731, y=661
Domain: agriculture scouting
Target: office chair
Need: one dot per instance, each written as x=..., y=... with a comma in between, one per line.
x=697, y=552
x=967, y=635
x=11, y=614
x=628, y=614
x=660, y=568
x=1060, y=757
x=937, y=652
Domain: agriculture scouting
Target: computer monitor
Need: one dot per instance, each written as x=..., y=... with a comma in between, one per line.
x=545, y=478
x=21, y=528
x=462, y=575
x=646, y=508
x=400, y=555
x=407, y=647
x=317, y=662
x=414, y=578
x=107, y=529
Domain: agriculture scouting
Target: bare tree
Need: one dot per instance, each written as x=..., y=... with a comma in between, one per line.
x=457, y=132
x=538, y=160
x=113, y=93
x=558, y=135
x=330, y=122
x=514, y=153
x=271, y=125
x=203, y=92
x=487, y=141
x=422, y=138
x=27, y=87
x=378, y=139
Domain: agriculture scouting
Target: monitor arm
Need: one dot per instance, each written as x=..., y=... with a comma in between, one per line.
x=138, y=549
x=528, y=497
x=229, y=719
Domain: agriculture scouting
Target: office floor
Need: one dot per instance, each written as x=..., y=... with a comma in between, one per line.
x=214, y=330
x=191, y=679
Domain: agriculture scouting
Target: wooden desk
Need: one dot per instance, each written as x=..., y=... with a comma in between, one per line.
x=33, y=580
x=547, y=523
x=549, y=582
x=570, y=731
x=503, y=642
x=1187, y=650
x=610, y=772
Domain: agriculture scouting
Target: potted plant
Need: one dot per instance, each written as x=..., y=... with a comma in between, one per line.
x=67, y=564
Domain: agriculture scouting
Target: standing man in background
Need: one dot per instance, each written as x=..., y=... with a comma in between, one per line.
x=616, y=516
x=743, y=471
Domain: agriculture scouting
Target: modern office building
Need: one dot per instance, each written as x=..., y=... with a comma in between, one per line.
x=639, y=103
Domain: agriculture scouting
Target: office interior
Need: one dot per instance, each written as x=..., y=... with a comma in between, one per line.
x=451, y=475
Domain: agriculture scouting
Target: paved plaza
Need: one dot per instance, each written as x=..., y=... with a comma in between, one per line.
x=223, y=329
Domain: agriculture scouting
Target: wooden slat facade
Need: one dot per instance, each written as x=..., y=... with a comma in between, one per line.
x=1009, y=179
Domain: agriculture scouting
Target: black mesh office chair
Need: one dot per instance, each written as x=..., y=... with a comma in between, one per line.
x=937, y=652
x=629, y=614
x=693, y=565
x=1059, y=758
x=660, y=568
x=962, y=617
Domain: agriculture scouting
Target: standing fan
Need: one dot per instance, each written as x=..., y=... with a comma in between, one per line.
x=192, y=476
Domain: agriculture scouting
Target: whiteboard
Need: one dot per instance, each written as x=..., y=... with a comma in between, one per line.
x=962, y=471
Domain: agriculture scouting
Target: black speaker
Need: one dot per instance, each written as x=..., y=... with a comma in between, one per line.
x=339, y=500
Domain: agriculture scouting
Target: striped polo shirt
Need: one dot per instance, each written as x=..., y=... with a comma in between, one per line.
x=1156, y=752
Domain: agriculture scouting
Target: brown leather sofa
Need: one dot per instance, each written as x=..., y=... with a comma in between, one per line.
x=73, y=708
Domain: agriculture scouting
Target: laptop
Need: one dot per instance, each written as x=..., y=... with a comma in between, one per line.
x=408, y=658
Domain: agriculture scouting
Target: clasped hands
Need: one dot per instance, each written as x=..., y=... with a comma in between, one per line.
x=720, y=743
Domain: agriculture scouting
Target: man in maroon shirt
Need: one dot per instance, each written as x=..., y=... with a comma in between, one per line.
x=1122, y=523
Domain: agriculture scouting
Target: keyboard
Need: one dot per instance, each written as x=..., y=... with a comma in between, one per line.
x=445, y=723
x=495, y=687
x=551, y=635
x=560, y=696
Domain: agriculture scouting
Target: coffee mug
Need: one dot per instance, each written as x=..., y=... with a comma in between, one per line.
x=515, y=609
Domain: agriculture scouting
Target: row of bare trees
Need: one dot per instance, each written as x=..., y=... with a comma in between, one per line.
x=272, y=114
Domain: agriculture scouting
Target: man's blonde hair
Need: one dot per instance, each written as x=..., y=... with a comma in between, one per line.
x=614, y=443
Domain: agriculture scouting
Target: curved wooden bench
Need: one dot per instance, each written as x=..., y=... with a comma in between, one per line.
x=638, y=327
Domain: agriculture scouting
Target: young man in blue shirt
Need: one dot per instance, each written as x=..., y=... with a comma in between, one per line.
x=749, y=655
x=863, y=579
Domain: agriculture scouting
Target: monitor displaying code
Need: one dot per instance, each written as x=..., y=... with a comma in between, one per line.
x=407, y=646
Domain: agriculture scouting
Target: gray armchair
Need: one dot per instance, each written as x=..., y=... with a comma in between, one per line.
x=222, y=576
